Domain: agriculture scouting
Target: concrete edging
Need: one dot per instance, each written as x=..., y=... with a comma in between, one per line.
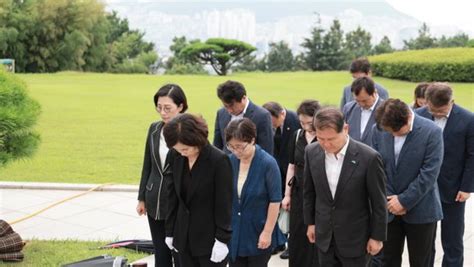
x=66, y=186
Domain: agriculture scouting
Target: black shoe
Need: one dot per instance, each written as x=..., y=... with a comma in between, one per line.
x=278, y=249
x=285, y=255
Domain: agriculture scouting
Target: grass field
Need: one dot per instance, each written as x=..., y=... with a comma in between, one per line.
x=57, y=253
x=93, y=126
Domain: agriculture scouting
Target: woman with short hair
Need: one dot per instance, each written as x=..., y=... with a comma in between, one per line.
x=256, y=196
x=199, y=223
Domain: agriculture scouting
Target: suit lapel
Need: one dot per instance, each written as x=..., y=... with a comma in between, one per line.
x=371, y=122
x=155, y=146
x=453, y=119
x=321, y=158
x=199, y=170
x=348, y=166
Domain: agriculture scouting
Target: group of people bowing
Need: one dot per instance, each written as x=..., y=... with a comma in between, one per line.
x=358, y=180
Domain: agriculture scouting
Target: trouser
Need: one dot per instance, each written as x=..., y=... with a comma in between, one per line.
x=163, y=255
x=252, y=261
x=419, y=239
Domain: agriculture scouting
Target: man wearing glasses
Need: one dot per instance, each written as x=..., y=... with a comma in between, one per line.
x=237, y=105
x=456, y=178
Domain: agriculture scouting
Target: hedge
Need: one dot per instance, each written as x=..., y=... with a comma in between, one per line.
x=18, y=116
x=438, y=64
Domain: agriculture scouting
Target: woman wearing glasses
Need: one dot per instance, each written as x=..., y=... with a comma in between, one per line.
x=256, y=196
x=153, y=192
x=302, y=252
x=199, y=224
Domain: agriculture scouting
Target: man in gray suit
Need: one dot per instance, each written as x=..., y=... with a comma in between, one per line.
x=359, y=114
x=412, y=150
x=344, y=202
x=360, y=68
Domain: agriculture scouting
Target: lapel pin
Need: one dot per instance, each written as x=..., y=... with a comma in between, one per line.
x=353, y=162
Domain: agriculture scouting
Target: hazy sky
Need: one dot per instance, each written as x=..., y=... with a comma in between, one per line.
x=438, y=13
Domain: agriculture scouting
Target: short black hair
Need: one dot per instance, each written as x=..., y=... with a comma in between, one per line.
x=393, y=114
x=231, y=91
x=241, y=129
x=365, y=83
x=274, y=108
x=329, y=117
x=360, y=65
x=439, y=94
x=308, y=107
x=173, y=91
x=186, y=129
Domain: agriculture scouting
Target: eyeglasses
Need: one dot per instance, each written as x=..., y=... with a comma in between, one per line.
x=236, y=148
x=165, y=109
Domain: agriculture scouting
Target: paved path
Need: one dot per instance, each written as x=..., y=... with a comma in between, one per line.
x=110, y=215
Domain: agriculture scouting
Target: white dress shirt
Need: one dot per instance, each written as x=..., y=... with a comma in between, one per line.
x=241, y=115
x=333, y=165
x=441, y=122
x=163, y=150
x=365, y=116
x=399, y=141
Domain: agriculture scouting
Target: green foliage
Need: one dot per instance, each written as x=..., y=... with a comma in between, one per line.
x=326, y=51
x=220, y=53
x=280, y=57
x=178, y=63
x=358, y=43
x=423, y=41
x=437, y=64
x=18, y=116
x=55, y=35
x=383, y=47
x=250, y=63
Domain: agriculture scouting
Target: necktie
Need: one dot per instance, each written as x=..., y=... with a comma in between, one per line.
x=277, y=140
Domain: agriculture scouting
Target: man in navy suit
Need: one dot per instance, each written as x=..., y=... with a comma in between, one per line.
x=412, y=151
x=359, y=114
x=456, y=178
x=237, y=105
x=360, y=68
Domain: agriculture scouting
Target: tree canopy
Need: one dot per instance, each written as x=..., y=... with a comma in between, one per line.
x=220, y=53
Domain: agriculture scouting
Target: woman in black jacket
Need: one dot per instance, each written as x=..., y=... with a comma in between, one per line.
x=153, y=193
x=199, y=225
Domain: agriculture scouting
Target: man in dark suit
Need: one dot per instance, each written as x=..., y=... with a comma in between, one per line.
x=285, y=123
x=359, y=114
x=456, y=178
x=360, y=68
x=344, y=194
x=412, y=150
x=237, y=105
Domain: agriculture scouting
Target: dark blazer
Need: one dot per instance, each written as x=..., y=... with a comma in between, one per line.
x=207, y=215
x=352, y=114
x=348, y=97
x=358, y=211
x=249, y=216
x=413, y=179
x=155, y=183
x=290, y=125
x=457, y=170
x=260, y=116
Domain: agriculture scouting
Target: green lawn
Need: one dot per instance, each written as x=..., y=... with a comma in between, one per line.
x=93, y=126
x=56, y=253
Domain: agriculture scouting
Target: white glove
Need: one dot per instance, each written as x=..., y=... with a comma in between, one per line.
x=169, y=243
x=219, y=251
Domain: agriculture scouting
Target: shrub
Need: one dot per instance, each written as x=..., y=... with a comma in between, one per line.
x=18, y=115
x=438, y=64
